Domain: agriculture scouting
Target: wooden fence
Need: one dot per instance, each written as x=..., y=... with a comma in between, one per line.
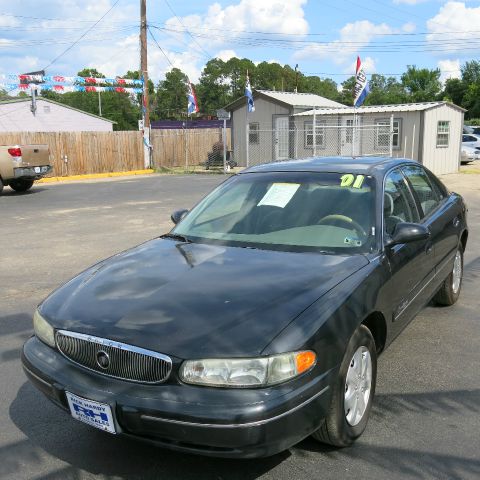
x=76, y=153
x=184, y=148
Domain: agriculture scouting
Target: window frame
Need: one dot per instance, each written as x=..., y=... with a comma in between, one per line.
x=254, y=133
x=308, y=132
x=423, y=215
x=409, y=191
x=438, y=133
x=385, y=122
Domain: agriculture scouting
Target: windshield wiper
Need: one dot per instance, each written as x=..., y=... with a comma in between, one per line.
x=174, y=236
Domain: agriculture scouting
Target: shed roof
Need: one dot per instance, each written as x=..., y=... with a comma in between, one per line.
x=41, y=99
x=403, y=107
x=291, y=99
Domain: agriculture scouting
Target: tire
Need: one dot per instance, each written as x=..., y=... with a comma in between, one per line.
x=21, y=185
x=1, y=185
x=343, y=426
x=450, y=290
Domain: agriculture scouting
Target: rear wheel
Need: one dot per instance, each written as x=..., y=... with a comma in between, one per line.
x=450, y=289
x=21, y=185
x=352, y=393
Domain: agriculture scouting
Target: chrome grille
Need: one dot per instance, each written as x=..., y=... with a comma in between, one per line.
x=114, y=359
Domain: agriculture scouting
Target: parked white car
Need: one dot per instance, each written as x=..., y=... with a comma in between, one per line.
x=470, y=140
x=469, y=154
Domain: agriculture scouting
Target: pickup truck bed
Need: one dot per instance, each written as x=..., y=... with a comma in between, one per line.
x=21, y=165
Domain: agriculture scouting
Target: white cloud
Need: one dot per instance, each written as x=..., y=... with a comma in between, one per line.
x=226, y=55
x=454, y=17
x=368, y=64
x=352, y=39
x=449, y=69
x=280, y=16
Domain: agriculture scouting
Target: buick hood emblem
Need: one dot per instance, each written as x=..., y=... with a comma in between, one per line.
x=103, y=360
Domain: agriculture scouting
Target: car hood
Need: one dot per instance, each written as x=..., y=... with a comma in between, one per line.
x=195, y=300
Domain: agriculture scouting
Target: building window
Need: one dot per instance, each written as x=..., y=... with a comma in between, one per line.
x=443, y=133
x=320, y=140
x=382, y=133
x=254, y=134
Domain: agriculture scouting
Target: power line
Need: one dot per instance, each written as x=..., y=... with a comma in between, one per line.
x=158, y=45
x=183, y=25
x=83, y=35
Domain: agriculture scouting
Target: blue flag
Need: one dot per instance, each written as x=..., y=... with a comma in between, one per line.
x=249, y=95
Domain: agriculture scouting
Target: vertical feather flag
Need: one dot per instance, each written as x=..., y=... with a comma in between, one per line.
x=249, y=95
x=361, y=85
x=192, y=99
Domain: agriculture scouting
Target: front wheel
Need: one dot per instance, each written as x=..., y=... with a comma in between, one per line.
x=21, y=185
x=352, y=393
x=450, y=289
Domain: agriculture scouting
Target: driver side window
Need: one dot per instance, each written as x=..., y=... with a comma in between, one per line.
x=398, y=203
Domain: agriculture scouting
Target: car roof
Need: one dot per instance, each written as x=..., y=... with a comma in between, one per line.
x=376, y=166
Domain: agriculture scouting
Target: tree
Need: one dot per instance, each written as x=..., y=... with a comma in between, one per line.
x=454, y=91
x=324, y=87
x=213, y=89
x=172, y=95
x=385, y=91
x=346, y=94
x=421, y=84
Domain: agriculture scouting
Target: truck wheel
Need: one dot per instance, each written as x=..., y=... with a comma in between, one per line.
x=21, y=185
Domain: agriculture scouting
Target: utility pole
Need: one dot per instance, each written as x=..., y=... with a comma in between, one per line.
x=143, y=60
x=147, y=150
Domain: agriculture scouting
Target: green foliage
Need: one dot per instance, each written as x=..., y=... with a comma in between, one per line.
x=421, y=84
x=385, y=91
x=171, y=97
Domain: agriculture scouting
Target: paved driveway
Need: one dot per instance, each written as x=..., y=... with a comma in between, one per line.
x=426, y=417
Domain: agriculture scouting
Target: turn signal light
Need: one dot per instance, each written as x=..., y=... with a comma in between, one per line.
x=15, y=152
x=305, y=360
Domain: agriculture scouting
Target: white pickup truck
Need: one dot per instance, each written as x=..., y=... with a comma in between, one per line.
x=21, y=165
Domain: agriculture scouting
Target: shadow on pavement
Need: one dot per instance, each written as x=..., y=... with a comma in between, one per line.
x=51, y=432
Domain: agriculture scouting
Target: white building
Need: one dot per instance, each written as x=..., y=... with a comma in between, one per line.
x=273, y=114
x=50, y=116
x=282, y=127
x=429, y=132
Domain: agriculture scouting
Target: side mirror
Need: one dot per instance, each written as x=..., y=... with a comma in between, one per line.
x=408, y=232
x=178, y=215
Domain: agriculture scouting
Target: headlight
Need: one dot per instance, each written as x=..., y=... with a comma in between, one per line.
x=247, y=372
x=43, y=330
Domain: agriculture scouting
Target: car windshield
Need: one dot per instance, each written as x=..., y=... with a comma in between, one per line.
x=293, y=211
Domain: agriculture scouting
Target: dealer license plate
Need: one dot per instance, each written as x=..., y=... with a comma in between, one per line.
x=95, y=414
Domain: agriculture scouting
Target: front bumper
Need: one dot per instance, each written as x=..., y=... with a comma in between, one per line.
x=239, y=423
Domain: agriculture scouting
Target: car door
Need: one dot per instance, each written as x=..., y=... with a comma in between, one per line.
x=439, y=213
x=411, y=264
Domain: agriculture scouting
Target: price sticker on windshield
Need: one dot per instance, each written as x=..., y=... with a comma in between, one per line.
x=352, y=181
x=279, y=194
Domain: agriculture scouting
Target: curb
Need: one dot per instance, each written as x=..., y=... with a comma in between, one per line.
x=91, y=176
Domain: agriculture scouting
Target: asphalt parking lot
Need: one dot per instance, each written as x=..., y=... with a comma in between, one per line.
x=426, y=417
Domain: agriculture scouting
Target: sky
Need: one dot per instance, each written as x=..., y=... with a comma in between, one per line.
x=322, y=36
